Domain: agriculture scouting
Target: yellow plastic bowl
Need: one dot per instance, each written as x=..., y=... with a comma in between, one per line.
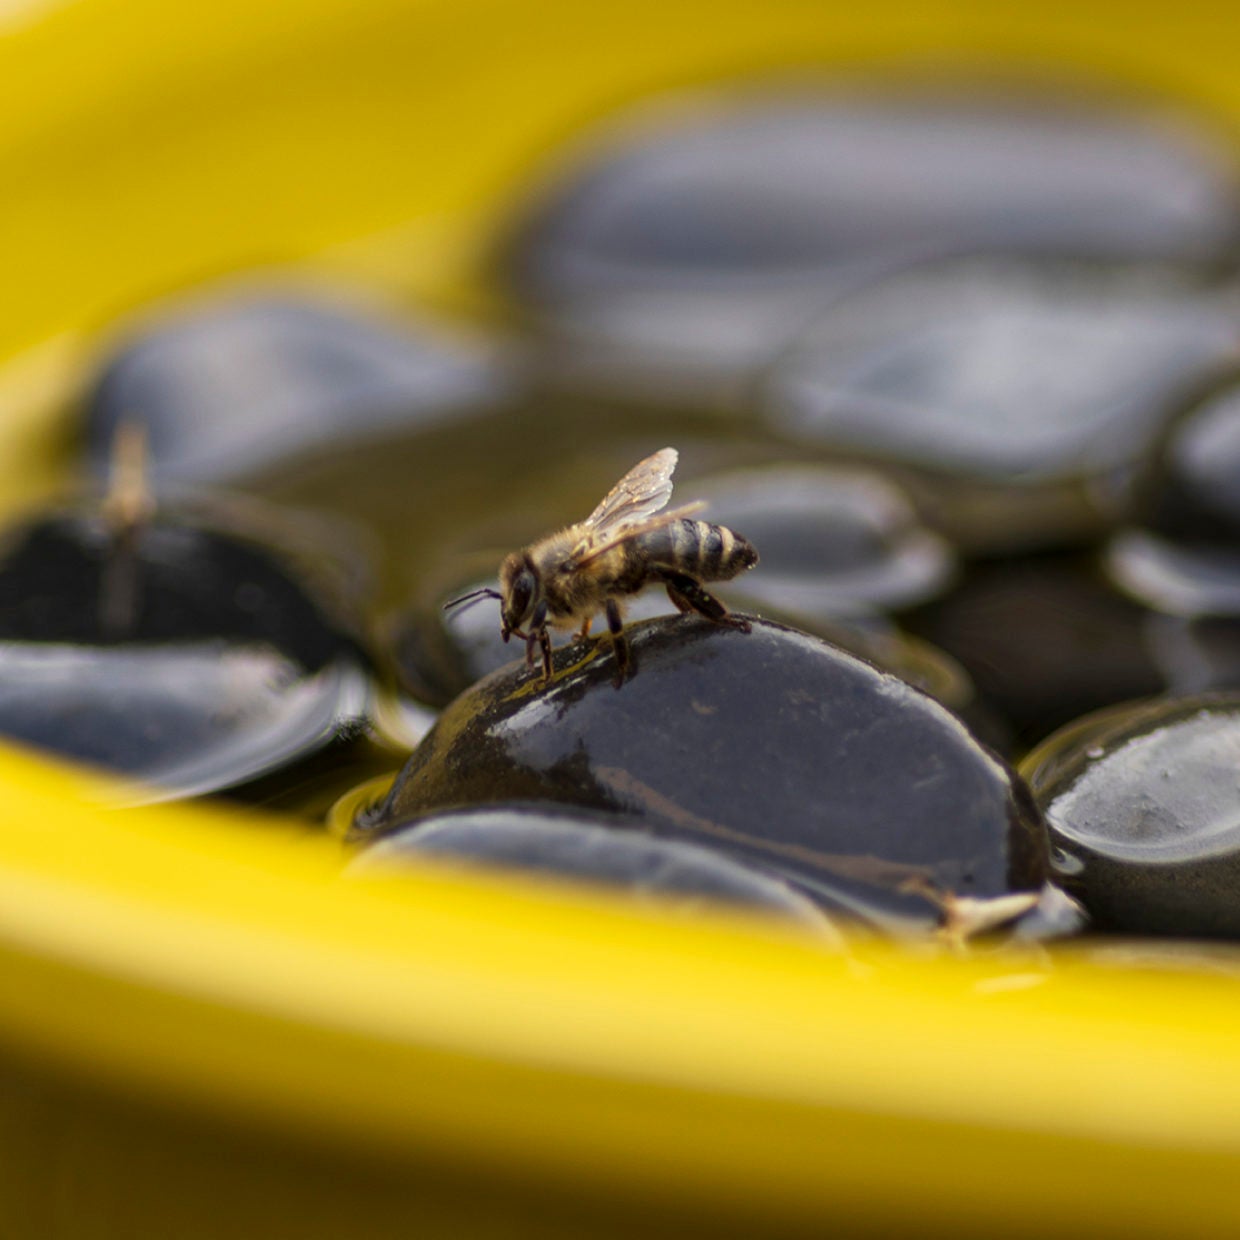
x=205, y=1031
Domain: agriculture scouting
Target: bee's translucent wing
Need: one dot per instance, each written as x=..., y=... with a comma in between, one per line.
x=638, y=495
x=594, y=544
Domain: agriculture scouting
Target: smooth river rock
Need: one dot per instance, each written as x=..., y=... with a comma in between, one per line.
x=1143, y=804
x=772, y=746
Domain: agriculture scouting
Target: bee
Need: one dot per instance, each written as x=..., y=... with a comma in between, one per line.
x=627, y=543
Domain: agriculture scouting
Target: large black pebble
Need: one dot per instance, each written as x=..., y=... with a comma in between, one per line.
x=1143, y=805
x=771, y=745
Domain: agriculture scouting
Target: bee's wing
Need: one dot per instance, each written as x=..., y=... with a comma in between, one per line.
x=639, y=494
x=596, y=544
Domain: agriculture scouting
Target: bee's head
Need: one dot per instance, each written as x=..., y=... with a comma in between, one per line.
x=518, y=584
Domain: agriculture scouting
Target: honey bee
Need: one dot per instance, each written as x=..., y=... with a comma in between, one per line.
x=625, y=544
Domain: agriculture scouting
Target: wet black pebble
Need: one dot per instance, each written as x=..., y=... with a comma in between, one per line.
x=1142, y=806
x=772, y=746
x=230, y=385
x=692, y=239
x=587, y=847
x=191, y=657
x=1019, y=398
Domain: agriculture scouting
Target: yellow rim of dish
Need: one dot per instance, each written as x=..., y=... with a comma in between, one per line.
x=221, y=960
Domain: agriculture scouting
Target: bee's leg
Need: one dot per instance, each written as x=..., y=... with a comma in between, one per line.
x=688, y=595
x=584, y=632
x=539, y=635
x=682, y=603
x=619, y=643
x=544, y=640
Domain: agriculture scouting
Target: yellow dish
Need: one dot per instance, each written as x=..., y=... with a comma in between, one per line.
x=205, y=1031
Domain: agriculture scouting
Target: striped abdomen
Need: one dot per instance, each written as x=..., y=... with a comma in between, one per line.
x=707, y=552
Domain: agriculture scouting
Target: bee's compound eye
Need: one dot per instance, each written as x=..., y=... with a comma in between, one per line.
x=520, y=597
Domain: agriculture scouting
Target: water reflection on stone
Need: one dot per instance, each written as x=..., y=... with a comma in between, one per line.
x=1194, y=492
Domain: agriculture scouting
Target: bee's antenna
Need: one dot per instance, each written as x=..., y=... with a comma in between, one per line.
x=472, y=597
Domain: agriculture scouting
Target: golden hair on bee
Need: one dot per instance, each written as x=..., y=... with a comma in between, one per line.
x=627, y=543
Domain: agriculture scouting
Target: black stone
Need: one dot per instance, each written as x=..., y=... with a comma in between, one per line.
x=1142, y=802
x=189, y=656
x=772, y=746
x=835, y=543
x=230, y=385
x=1023, y=396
